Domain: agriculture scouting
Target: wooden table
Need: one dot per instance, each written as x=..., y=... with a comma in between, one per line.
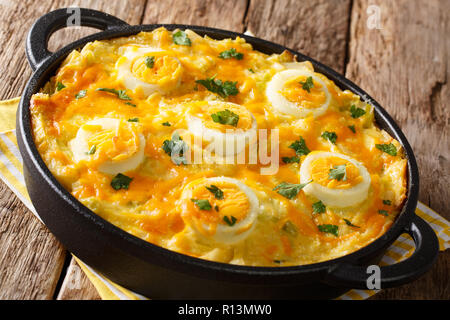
x=398, y=51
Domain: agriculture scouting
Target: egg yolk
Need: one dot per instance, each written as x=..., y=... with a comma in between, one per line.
x=154, y=68
x=205, y=112
x=320, y=173
x=293, y=91
x=116, y=144
x=234, y=206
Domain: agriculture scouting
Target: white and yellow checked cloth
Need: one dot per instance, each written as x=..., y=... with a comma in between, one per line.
x=11, y=173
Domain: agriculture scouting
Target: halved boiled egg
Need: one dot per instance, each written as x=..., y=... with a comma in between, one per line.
x=228, y=127
x=149, y=69
x=298, y=92
x=112, y=145
x=337, y=179
x=221, y=208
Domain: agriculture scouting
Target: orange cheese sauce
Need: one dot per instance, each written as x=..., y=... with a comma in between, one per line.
x=154, y=90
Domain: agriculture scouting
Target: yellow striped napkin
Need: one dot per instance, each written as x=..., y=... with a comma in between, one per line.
x=11, y=173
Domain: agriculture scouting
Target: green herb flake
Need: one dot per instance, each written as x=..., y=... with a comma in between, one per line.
x=223, y=89
x=218, y=194
x=387, y=202
x=81, y=94
x=319, y=207
x=59, y=86
x=338, y=173
x=356, y=112
x=121, y=94
x=293, y=159
x=329, y=228
x=150, y=62
x=300, y=147
x=176, y=148
x=202, y=204
x=290, y=228
x=290, y=190
x=181, y=38
x=230, y=220
x=226, y=117
x=216, y=208
x=92, y=150
x=231, y=53
x=308, y=84
x=133, y=120
x=251, y=70
x=166, y=124
x=387, y=148
x=352, y=128
x=330, y=136
x=350, y=224
x=130, y=104
x=121, y=181
x=383, y=213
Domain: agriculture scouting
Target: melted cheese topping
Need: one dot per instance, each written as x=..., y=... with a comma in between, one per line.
x=89, y=137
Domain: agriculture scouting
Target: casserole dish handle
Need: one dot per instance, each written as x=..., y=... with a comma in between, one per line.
x=45, y=26
x=365, y=277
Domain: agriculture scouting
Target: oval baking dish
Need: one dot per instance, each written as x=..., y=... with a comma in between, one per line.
x=160, y=273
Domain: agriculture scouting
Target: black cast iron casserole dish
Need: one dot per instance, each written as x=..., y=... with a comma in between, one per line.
x=160, y=273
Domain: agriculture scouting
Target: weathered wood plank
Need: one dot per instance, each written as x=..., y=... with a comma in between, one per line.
x=219, y=14
x=76, y=285
x=405, y=66
x=31, y=258
x=315, y=28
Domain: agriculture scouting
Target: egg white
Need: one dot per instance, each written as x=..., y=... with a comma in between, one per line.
x=335, y=197
x=79, y=146
x=124, y=74
x=283, y=105
x=226, y=144
x=241, y=229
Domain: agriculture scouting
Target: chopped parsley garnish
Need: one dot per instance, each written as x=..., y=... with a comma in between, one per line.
x=121, y=94
x=181, y=38
x=81, y=94
x=293, y=159
x=330, y=136
x=388, y=148
x=289, y=190
x=92, y=150
x=230, y=221
x=308, y=84
x=251, y=70
x=352, y=128
x=383, y=212
x=350, y=224
x=223, y=89
x=356, y=112
x=329, y=228
x=290, y=228
x=130, y=104
x=387, y=202
x=338, y=173
x=202, y=204
x=216, y=208
x=176, y=148
x=319, y=207
x=133, y=120
x=121, y=181
x=59, y=86
x=218, y=194
x=226, y=117
x=300, y=147
x=166, y=124
x=150, y=62
x=232, y=53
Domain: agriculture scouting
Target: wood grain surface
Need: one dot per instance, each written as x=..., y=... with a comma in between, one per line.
x=403, y=63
